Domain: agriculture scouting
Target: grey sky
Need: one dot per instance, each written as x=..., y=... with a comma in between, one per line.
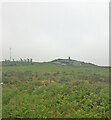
x=45, y=31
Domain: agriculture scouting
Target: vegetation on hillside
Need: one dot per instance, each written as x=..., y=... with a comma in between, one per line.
x=46, y=90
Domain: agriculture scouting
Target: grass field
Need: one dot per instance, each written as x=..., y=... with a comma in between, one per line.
x=45, y=90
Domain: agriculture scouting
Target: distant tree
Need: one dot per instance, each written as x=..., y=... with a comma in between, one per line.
x=27, y=60
x=20, y=59
x=31, y=60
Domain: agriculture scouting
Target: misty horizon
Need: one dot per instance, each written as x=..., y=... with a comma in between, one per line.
x=45, y=31
x=25, y=59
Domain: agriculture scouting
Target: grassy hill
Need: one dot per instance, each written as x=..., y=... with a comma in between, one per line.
x=50, y=90
x=72, y=62
x=61, y=62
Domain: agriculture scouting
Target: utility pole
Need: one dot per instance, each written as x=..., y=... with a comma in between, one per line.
x=10, y=54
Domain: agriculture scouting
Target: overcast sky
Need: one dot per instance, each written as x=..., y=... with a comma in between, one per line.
x=45, y=31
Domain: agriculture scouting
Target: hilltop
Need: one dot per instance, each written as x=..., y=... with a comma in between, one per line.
x=71, y=62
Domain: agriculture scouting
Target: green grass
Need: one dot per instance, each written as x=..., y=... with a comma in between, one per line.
x=70, y=92
x=0, y=102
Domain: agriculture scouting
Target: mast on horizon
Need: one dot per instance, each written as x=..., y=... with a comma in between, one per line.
x=10, y=54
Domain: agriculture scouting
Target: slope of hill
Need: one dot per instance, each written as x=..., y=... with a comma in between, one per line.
x=71, y=62
x=47, y=90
